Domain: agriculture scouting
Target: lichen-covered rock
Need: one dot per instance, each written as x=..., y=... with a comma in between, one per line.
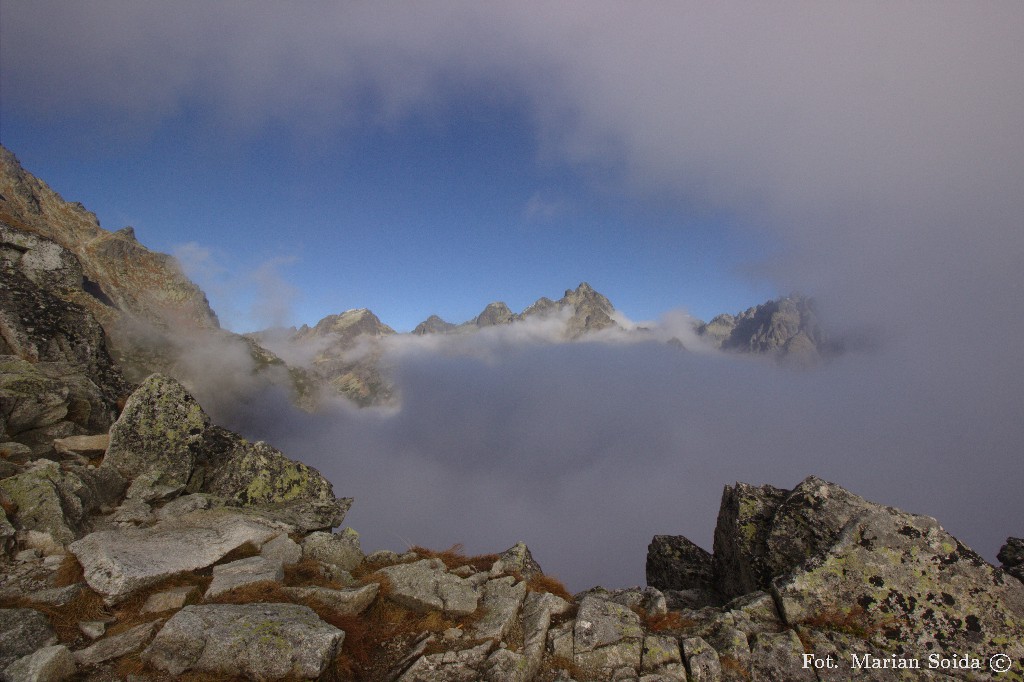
x=340, y=549
x=517, y=559
x=909, y=588
x=257, y=474
x=675, y=563
x=701, y=660
x=158, y=433
x=56, y=501
x=779, y=656
x=426, y=585
x=23, y=631
x=1012, y=557
x=49, y=664
x=744, y=523
x=606, y=635
x=538, y=608
x=256, y=641
x=169, y=600
x=119, y=562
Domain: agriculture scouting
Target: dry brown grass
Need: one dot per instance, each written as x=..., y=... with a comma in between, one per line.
x=9, y=506
x=86, y=605
x=453, y=557
x=673, y=621
x=309, y=573
x=733, y=668
x=553, y=667
x=549, y=584
x=69, y=572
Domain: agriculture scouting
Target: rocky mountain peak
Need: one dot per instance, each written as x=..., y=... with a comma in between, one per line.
x=787, y=328
x=494, y=314
x=433, y=325
x=348, y=326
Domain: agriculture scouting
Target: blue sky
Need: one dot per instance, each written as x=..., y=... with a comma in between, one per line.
x=441, y=210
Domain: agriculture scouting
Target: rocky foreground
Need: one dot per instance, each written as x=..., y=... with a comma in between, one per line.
x=173, y=549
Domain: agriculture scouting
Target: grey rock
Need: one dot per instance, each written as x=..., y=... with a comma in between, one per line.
x=659, y=652
x=1012, y=557
x=494, y=314
x=504, y=665
x=49, y=664
x=778, y=656
x=600, y=622
x=347, y=602
x=159, y=432
x=787, y=328
x=426, y=585
x=917, y=588
x=701, y=660
x=89, y=446
x=169, y=600
x=675, y=563
x=384, y=557
x=93, y=629
x=120, y=562
x=115, y=646
x=538, y=608
x=23, y=631
x=460, y=665
x=517, y=559
x=258, y=641
x=744, y=523
x=230, y=576
x=648, y=599
x=283, y=549
x=501, y=601
x=185, y=504
x=341, y=549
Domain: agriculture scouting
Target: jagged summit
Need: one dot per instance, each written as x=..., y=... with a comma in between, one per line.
x=347, y=326
x=787, y=328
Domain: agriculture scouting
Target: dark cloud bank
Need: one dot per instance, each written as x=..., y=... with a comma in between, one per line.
x=879, y=146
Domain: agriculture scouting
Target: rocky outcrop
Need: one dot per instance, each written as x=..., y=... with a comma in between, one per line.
x=1012, y=556
x=257, y=641
x=165, y=443
x=787, y=328
x=848, y=579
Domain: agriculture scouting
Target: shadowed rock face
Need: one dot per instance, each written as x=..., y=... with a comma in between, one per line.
x=787, y=328
x=147, y=285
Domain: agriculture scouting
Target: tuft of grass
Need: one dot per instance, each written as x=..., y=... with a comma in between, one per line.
x=453, y=557
x=86, y=605
x=70, y=572
x=266, y=591
x=549, y=584
x=309, y=572
x=673, y=621
x=733, y=669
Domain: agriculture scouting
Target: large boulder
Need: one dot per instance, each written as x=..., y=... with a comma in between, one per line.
x=22, y=631
x=164, y=442
x=158, y=433
x=120, y=562
x=908, y=588
x=741, y=535
x=255, y=641
x=426, y=585
x=58, y=500
x=1012, y=556
x=675, y=563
